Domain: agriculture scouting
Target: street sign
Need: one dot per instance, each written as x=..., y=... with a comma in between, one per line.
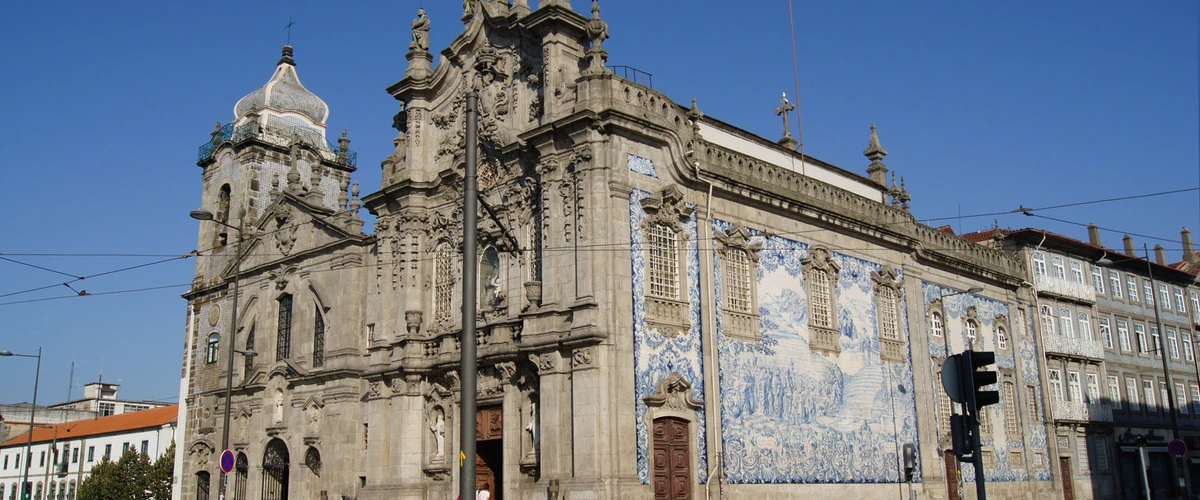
x=1176, y=448
x=227, y=461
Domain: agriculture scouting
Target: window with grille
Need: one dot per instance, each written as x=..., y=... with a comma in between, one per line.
x=935, y=324
x=443, y=294
x=1114, y=392
x=1100, y=450
x=819, y=299
x=737, y=280
x=1031, y=404
x=1081, y=445
x=249, y=360
x=318, y=358
x=662, y=268
x=1011, y=427
x=944, y=407
x=535, y=248
x=283, y=338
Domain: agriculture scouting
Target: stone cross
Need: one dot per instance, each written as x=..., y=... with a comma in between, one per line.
x=784, y=107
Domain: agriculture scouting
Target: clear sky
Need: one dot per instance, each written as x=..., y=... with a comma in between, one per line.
x=984, y=106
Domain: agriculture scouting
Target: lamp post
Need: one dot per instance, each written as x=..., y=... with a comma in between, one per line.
x=32, y=408
x=205, y=215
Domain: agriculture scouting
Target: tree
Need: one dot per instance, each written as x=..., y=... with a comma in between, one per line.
x=132, y=477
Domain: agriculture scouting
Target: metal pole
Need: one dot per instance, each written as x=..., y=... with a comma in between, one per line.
x=1162, y=344
x=29, y=441
x=237, y=275
x=967, y=367
x=468, y=368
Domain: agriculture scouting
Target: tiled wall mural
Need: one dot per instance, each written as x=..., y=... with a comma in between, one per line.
x=988, y=315
x=790, y=415
x=657, y=356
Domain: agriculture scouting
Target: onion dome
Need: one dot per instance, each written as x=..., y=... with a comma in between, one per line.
x=284, y=94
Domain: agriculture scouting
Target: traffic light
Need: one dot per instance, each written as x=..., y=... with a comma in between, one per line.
x=26, y=494
x=978, y=361
x=961, y=437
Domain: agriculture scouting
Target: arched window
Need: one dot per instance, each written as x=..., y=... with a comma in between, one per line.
x=1039, y=263
x=1047, y=320
x=214, y=341
x=312, y=460
x=202, y=485
x=972, y=331
x=283, y=338
x=1065, y=322
x=318, y=358
x=242, y=469
x=662, y=269
x=935, y=324
x=443, y=297
x=1085, y=326
x=249, y=360
x=222, y=215
x=1001, y=338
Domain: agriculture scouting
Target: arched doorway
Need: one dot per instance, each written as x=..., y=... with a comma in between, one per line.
x=242, y=468
x=275, y=471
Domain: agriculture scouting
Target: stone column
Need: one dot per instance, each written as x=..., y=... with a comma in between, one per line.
x=556, y=413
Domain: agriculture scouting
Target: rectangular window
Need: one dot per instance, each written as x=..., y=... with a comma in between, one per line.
x=1157, y=341
x=124, y=448
x=1148, y=394
x=1131, y=393
x=1180, y=399
x=1172, y=344
x=91, y=454
x=1074, y=391
x=1179, y=307
x=75, y=456
x=1081, y=444
x=108, y=451
x=1085, y=326
x=662, y=267
x=1195, y=303
x=146, y=448
x=283, y=340
x=1133, y=292
x=1060, y=272
x=1077, y=271
x=1115, y=281
x=1093, y=389
x=1056, y=386
x=1188, y=353
x=1141, y=338
x=1039, y=263
x=1123, y=335
x=1195, y=399
x=42, y=460
x=1101, y=450
x=820, y=299
x=1012, y=428
x=5, y=462
x=107, y=409
x=1105, y=332
x=737, y=286
x=1149, y=291
x=1031, y=403
x=1114, y=392
x=1164, y=296
x=1097, y=280
x=1164, y=404
x=944, y=408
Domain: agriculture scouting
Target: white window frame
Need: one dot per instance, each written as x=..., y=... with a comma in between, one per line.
x=1131, y=281
x=1105, y=331
x=1179, y=305
x=1085, y=326
x=1148, y=291
x=1060, y=271
x=1114, y=392
x=662, y=262
x=1164, y=295
x=1181, y=402
x=936, y=324
x=1012, y=428
x=1001, y=338
x=1140, y=332
x=1097, y=280
x=1066, y=319
x=1077, y=271
x=1148, y=395
x=1156, y=337
x=1123, y=336
x=1115, y=280
x=972, y=331
x=1195, y=398
x=1188, y=353
x=1093, y=389
x=1131, y=392
x=1048, y=319
x=1074, y=387
x=1195, y=302
x=1039, y=263
x=1173, y=344
x=1056, y=385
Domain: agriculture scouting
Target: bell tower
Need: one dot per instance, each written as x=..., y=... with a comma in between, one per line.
x=277, y=136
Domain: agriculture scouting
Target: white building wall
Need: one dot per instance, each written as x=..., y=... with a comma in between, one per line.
x=158, y=440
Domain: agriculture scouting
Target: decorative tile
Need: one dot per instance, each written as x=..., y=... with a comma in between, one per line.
x=641, y=165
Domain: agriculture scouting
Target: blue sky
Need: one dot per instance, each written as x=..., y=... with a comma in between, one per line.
x=983, y=106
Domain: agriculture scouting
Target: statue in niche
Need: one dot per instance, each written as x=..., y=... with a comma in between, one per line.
x=438, y=427
x=420, y=32
x=531, y=428
x=491, y=294
x=278, y=406
x=314, y=416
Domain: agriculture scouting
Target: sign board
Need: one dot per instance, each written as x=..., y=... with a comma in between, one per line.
x=227, y=461
x=1176, y=448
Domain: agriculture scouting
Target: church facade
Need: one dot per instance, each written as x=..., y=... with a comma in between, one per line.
x=669, y=306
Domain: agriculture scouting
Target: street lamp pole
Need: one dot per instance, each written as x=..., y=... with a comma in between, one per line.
x=1162, y=341
x=237, y=275
x=32, y=408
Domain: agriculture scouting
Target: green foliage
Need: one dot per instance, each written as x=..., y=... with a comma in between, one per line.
x=133, y=477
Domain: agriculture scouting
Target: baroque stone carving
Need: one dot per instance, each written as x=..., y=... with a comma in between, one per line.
x=420, y=32
x=674, y=393
x=582, y=357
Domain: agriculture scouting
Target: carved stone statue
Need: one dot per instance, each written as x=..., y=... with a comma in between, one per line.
x=420, y=32
x=438, y=427
x=279, y=407
x=532, y=428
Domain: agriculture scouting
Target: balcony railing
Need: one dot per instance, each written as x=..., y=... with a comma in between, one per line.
x=1066, y=287
x=1076, y=411
x=1073, y=346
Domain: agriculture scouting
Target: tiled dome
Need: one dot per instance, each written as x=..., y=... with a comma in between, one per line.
x=284, y=93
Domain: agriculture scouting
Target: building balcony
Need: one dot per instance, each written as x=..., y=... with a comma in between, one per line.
x=1076, y=411
x=1067, y=288
x=1073, y=347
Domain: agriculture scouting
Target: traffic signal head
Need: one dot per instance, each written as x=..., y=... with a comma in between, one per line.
x=981, y=377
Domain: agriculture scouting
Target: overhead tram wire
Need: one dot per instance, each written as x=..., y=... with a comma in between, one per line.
x=1102, y=228
x=14, y=261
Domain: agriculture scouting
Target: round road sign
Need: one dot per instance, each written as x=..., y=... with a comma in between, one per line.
x=1176, y=448
x=227, y=461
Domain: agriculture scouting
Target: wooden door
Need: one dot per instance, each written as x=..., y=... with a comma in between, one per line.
x=951, y=475
x=672, y=460
x=1064, y=464
x=485, y=477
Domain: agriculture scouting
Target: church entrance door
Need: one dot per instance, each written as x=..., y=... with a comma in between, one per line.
x=672, y=460
x=489, y=449
x=275, y=471
x=951, y=475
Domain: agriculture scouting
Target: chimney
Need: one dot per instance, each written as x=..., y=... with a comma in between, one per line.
x=1094, y=235
x=1129, y=250
x=1189, y=252
x=1160, y=256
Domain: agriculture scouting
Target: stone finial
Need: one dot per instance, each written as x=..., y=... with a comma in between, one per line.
x=597, y=31
x=344, y=143
x=694, y=115
x=784, y=107
x=904, y=197
x=355, y=204
x=420, y=32
x=521, y=7
x=877, y=171
x=287, y=56
x=1129, y=249
x=343, y=186
x=274, y=186
x=314, y=185
x=293, y=175
x=894, y=191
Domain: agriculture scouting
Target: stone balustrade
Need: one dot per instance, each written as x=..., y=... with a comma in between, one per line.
x=1077, y=411
x=1064, y=287
x=1074, y=347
